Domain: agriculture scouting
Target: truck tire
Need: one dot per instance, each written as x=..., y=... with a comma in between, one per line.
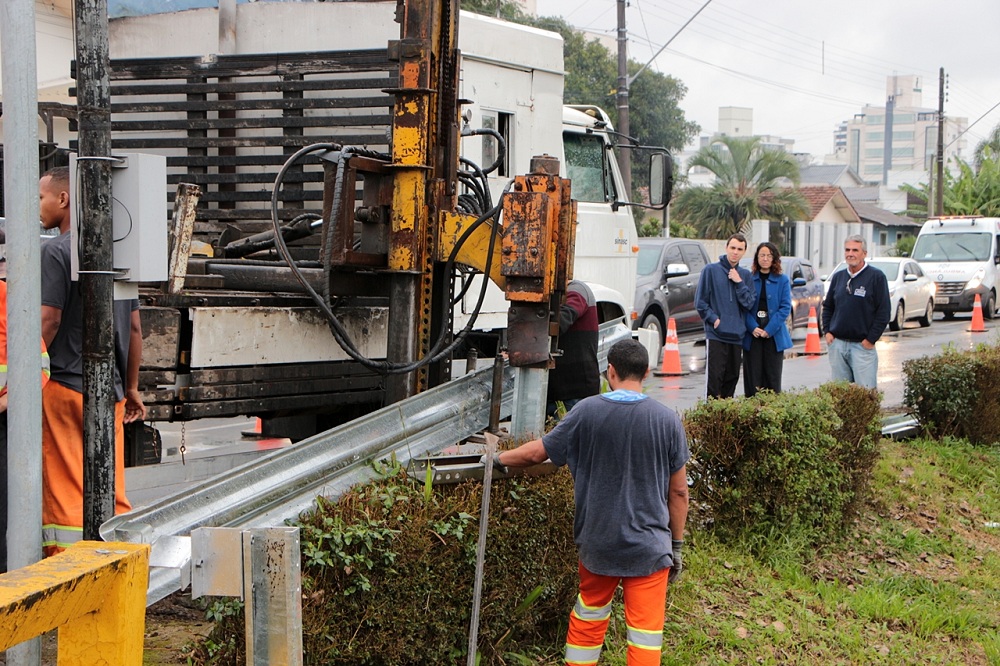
x=990, y=306
x=928, y=317
x=653, y=322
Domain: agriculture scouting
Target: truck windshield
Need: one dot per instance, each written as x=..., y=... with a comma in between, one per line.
x=952, y=247
x=587, y=168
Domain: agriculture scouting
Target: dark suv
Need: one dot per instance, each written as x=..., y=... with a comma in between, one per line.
x=667, y=280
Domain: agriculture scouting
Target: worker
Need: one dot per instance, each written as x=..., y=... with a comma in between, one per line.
x=576, y=374
x=627, y=454
x=62, y=399
x=3, y=420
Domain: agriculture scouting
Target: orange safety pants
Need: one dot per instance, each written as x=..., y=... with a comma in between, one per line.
x=645, y=603
x=62, y=466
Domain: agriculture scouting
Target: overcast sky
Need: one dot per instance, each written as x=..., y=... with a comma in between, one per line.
x=805, y=65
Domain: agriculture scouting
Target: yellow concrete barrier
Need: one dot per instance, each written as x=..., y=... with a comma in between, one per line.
x=94, y=593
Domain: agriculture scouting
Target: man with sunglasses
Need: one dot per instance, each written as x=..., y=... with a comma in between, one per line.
x=855, y=313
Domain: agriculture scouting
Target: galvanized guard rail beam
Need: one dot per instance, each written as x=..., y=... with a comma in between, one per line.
x=281, y=485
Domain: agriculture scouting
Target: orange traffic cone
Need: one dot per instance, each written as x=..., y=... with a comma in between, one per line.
x=812, y=334
x=977, y=317
x=671, y=366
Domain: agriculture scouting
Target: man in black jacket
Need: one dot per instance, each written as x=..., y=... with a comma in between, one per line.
x=855, y=313
x=576, y=375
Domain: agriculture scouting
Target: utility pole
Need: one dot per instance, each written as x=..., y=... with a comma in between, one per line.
x=23, y=420
x=939, y=157
x=624, y=153
x=93, y=199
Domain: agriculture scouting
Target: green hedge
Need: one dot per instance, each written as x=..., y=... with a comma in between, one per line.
x=956, y=394
x=792, y=463
x=388, y=574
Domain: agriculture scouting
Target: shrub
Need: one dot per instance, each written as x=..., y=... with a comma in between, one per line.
x=954, y=394
x=388, y=574
x=794, y=463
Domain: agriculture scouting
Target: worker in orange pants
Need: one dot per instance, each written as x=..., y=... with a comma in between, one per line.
x=62, y=399
x=3, y=416
x=62, y=467
x=645, y=599
x=628, y=456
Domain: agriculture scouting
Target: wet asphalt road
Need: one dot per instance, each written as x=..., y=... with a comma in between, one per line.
x=810, y=371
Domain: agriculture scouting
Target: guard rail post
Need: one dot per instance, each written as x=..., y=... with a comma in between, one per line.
x=94, y=593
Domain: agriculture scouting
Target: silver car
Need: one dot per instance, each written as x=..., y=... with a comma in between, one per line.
x=911, y=292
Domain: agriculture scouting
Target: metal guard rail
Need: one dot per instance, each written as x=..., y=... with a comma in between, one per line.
x=281, y=485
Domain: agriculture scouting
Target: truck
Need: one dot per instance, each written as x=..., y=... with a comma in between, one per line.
x=238, y=116
x=962, y=255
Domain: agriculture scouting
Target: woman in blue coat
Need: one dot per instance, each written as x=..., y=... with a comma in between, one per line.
x=767, y=336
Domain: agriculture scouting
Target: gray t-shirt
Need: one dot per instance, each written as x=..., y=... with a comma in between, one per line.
x=66, y=350
x=621, y=449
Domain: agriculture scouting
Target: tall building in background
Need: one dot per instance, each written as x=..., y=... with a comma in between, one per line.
x=861, y=142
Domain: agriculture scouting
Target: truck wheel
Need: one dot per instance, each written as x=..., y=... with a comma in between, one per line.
x=653, y=322
x=928, y=317
x=897, y=322
x=990, y=306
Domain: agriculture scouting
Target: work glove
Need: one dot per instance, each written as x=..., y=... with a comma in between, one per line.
x=678, y=567
x=495, y=461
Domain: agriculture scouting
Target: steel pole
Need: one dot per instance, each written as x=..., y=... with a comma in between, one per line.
x=93, y=199
x=23, y=484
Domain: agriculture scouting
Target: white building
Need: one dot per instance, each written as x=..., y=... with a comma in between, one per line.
x=884, y=148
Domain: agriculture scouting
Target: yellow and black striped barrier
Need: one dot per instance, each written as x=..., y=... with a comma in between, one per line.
x=94, y=593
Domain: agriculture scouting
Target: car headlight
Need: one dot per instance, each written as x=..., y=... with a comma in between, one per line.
x=976, y=280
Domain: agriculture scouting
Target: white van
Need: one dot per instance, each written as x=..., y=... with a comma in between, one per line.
x=962, y=256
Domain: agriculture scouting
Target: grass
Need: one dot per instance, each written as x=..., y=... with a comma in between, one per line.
x=918, y=582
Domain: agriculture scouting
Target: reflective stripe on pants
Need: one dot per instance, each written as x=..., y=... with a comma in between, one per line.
x=645, y=601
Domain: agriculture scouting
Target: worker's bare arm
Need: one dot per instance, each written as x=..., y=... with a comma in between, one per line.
x=530, y=453
x=677, y=502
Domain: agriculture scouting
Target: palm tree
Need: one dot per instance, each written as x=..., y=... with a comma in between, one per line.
x=971, y=192
x=988, y=148
x=747, y=187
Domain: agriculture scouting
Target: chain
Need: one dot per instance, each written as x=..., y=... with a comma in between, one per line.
x=183, y=448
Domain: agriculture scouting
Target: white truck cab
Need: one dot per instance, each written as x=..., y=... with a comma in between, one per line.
x=962, y=256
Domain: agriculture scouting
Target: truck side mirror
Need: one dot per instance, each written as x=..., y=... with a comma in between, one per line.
x=661, y=179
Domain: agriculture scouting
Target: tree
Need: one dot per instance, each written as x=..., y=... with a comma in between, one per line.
x=747, y=187
x=988, y=148
x=508, y=11
x=655, y=116
x=971, y=192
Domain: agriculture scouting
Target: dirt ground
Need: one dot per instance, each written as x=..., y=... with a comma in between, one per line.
x=172, y=624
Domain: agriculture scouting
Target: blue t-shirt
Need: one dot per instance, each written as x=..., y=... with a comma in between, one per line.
x=621, y=449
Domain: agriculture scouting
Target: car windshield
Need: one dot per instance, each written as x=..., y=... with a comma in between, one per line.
x=890, y=268
x=952, y=247
x=649, y=259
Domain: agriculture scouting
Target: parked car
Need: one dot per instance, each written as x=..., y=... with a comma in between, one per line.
x=911, y=291
x=668, y=273
x=807, y=290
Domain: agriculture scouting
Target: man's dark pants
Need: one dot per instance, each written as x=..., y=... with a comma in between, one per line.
x=722, y=368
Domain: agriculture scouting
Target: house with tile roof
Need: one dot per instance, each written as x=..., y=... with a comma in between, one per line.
x=820, y=238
